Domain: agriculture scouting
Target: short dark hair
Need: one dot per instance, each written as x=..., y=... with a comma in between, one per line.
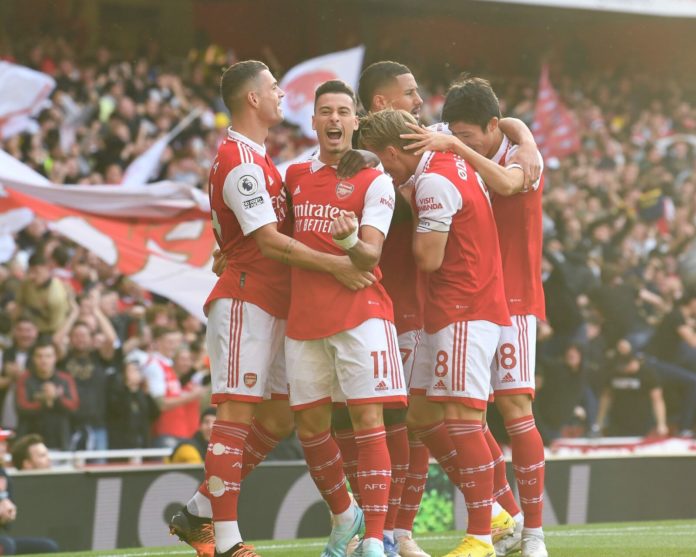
x=378, y=75
x=235, y=78
x=472, y=101
x=37, y=258
x=334, y=86
x=159, y=332
x=20, y=448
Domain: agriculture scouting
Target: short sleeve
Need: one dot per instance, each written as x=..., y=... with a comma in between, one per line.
x=245, y=193
x=156, y=383
x=512, y=151
x=437, y=201
x=379, y=204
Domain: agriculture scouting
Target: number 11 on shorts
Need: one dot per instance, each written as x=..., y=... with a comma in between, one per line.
x=376, y=361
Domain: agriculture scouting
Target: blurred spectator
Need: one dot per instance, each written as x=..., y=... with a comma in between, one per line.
x=43, y=296
x=561, y=395
x=675, y=338
x=631, y=403
x=131, y=410
x=30, y=453
x=14, y=363
x=174, y=423
x=90, y=355
x=192, y=451
x=46, y=398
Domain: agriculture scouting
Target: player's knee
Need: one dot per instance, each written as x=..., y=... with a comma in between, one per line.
x=513, y=407
x=422, y=413
x=312, y=421
x=366, y=416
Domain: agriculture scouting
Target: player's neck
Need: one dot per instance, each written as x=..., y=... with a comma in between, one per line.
x=497, y=142
x=331, y=159
x=251, y=128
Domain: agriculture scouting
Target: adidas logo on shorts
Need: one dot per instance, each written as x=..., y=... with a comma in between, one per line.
x=381, y=386
x=440, y=386
x=508, y=378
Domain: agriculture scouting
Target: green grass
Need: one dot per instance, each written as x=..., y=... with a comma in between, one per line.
x=635, y=539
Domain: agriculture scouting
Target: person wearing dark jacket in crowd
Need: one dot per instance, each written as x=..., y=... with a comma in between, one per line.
x=131, y=410
x=46, y=398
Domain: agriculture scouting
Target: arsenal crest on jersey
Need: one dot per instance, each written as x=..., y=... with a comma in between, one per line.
x=250, y=380
x=344, y=189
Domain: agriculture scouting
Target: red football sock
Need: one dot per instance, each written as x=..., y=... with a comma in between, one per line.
x=439, y=443
x=345, y=439
x=223, y=467
x=476, y=468
x=326, y=468
x=258, y=444
x=528, y=463
x=374, y=477
x=416, y=477
x=397, y=443
x=501, y=488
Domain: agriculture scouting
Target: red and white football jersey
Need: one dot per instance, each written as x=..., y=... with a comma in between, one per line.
x=520, y=231
x=321, y=306
x=451, y=198
x=403, y=281
x=246, y=192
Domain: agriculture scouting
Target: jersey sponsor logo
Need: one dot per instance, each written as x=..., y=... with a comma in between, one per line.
x=250, y=379
x=508, y=378
x=381, y=386
x=344, y=189
x=250, y=203
x=440, y=386
x=247, y=185
x=428, y=204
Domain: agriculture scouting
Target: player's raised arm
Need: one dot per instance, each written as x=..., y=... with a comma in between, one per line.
x=527, y=155
x=502, y=180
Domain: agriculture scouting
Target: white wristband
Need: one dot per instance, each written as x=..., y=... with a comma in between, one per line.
x=347, y=242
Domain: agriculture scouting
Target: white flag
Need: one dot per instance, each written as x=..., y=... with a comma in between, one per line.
x=300, y=83
x=22, y=94
x=146, y=165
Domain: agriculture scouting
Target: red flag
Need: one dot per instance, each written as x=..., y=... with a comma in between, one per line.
x=555, y=127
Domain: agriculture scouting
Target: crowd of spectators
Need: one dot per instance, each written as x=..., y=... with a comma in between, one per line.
x=91, y=360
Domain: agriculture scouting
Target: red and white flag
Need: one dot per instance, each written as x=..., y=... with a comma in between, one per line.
x=22, y=94
x=301, y=81
x=162, y=242
x=555, y=128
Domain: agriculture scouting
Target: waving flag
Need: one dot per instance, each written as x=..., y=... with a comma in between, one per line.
x=300, y=83
x=22, y=94
x=162, y=242
x=555, y=128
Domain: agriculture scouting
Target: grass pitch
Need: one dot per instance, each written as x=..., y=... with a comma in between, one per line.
x=634, y=539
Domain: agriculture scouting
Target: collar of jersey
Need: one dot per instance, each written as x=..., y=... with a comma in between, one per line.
x=317, y=165
x=423, y=164
x=236, y=136
x=504, y=145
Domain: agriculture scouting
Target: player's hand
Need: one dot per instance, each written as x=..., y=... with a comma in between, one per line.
x=350, y=276
x=354, y=161
x=219, y=262
x=8, y=511
x=344, y=225
x=426, y=140
x=528, y=158
x=662, y=430
x=50, y=391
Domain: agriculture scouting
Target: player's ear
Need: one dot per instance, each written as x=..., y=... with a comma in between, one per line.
x=379, y=102
x=314, y=123
x=492, y=124
x=356, y=124
x=252, y=98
